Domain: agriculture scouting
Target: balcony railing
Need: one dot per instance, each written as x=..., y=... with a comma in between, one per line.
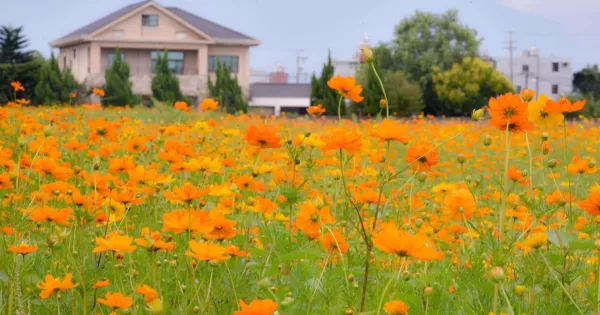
x=190, y=84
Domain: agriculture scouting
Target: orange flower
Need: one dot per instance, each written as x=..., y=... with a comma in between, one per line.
x=17, y=86
x=582, y=166
x=179, y=221
x=422, y=155
x=507, y=106
x=46, y=213
x=334, y=242
x=121, y=164
x=182, y=106
x=396, y=307
x=101, y=284
x=257, y=307
x=23, y=249
x=5, y=181
x=459, y=203
x=339, y=139
x=148, y=293
x=219, y=227
x=51, y=285
x=346, y=87
x=316, y=110
x=116, y=300
x=115, y=243
x=516, y=176
x=98, y=92
x=527, y=94
x=187, y=193
x=591, y=204
x=207, y=251
x=387, y=130
x=564, y=105
x=393, y=241
x=209, y=104
x=262, y=136
x=310, y=219
x=516, y=124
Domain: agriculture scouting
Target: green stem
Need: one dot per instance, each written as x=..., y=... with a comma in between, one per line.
x=387, y=105
x=569, y=213
x=380, y=305
x=530, y=166
x=340, y=110
x=560, y=284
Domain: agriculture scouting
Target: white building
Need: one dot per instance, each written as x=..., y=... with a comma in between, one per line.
x=275, y=98
x=349, y=67
x=548, y=75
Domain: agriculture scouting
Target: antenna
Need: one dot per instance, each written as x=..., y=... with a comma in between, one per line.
x=299, y=61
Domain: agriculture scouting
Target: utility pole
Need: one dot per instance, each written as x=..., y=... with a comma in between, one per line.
x=299, y=60
x=537, y=72
x=511, y=46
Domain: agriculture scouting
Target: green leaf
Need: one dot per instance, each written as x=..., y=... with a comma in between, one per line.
x=302, y=253
x=581, y=244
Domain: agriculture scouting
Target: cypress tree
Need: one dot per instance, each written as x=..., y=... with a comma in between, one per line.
x=48, y=90
x=165, y=85
x=118, y=87
x=227, y=91
x=322, y=94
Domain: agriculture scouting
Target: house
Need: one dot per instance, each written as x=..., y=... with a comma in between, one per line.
x=548, y=75
x=277, y=98
x=141, y=31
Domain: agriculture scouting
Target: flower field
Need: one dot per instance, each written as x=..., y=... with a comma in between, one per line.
x=173, y=211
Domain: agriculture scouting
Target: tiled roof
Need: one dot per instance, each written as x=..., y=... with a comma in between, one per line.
x=279, y=90
x=212, y=29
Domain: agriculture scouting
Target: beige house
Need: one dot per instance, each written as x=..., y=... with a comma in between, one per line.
x=143, y=30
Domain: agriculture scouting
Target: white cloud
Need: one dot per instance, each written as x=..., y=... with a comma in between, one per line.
x=575, y=14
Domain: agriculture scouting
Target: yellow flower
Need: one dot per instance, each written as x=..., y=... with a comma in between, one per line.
x=116, y=210
x=538, y=115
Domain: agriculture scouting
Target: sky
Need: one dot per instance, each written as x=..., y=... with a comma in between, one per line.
x=555, y=27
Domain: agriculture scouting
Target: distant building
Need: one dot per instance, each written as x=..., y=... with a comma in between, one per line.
x=555, y=73
x=277, y=98
x=349, y=67
x=278, y=75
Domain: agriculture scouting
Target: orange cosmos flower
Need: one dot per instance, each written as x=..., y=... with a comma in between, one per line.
x=387, y=130
x=5, y=181
x=257, y=307
x=186, y=193
x=516, y=176
x=564, y=105
x=516, y=124
x=51, y=285
x=422, y=156
x=262, y=136
x=219, y=227
x=121, y=164
x=582, y=166
x=591, y=204
x=527, y=94
x=45, y=213
x=115, y=243
x=339, y=139
x=507, y=106
x=148, y=293
x=400, y=242
x=334, y=242
x=346, y=87
x=316, y=110
x=17, y=86
x=459, y=203
x=182, y=106
x=310, y=219
x=23, y=249
x=99, y=92
x=116, y=300
x=101, y=284
x=207, y=251
x=179, y=221
x=209, y=104
x=396, y=307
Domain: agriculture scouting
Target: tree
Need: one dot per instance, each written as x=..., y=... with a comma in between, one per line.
x=468, y=85
x=405, y=98
x=12, y=46
x=587, y=81
x=425, y=40
x=322, y=94
x=49, y=88
x=371, y=90
x=165, y=85
x=227, y=91
x=118, y=87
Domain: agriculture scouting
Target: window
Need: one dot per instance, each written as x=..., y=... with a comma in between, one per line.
x=64, y=62
x=519, y=89
x=89, y=52
x=229, y=61
x=150, y=20
x=525, y=68
x=74, y=53
x=565, y=64
x=555, y=67
x=111, y=57
x=175, y=60
x=554, y=88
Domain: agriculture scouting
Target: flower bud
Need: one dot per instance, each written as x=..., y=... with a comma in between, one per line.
x=519, y=290
x=349, y=311
x=552, y=163
x=47, y=131
x=428, y=291
x=497, y=274
x=487, y=140
x=383, y=103
x=422, y=176
x=545, y=136
x=196, y=309
x=592, y=163
x=477, y=114
x=351, y=278
x=368, y=54
x=461, y=158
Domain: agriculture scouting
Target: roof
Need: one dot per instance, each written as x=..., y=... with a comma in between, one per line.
x=210, y=28
x=280, y=90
